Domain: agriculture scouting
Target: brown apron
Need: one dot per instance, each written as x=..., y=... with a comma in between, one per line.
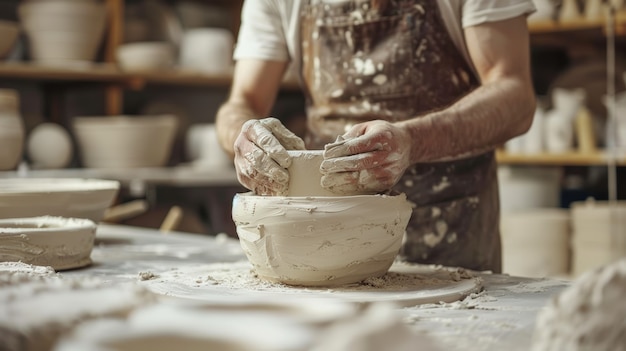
x=394, y=60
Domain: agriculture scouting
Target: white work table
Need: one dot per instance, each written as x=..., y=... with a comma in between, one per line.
x=502, y=317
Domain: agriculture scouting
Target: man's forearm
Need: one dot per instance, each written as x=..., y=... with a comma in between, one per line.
x=230, y=117
x=482, y=120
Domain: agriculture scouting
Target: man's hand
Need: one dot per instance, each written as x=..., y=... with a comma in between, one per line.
x=371, y=157
x=261, y=157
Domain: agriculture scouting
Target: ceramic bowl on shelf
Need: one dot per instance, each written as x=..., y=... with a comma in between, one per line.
x=145, y=56
x=61, y=243
x=321, y=241
x=8, y=35
x=65, y=197
x=125, y=141
x=63, y=30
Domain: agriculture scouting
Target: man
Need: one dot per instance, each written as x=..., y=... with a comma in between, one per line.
x=412, y=95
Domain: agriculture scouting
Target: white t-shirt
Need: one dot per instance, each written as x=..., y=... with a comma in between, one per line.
x=270, y=28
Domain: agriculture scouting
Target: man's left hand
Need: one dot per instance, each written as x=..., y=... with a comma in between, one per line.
x=371, y=157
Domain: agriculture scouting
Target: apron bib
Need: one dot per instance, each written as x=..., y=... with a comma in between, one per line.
x=394, y=60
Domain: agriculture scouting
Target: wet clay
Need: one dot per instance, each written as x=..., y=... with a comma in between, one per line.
x=589, y=315
x=320, y=241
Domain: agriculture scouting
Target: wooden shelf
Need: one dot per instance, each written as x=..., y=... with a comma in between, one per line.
x=567, y=159
x=108, y=73
x=546, y=27
x=96, y=72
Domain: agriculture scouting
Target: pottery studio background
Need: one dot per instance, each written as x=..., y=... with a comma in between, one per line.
x=173, y=59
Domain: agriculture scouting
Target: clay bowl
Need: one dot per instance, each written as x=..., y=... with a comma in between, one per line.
x=320, y=241
x=8, y=36
x=145, y=56
x=68, y=197
x=125, y=141
x=61, y=243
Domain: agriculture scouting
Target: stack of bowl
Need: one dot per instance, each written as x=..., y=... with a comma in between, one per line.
x=52, y=222
x=63, y=31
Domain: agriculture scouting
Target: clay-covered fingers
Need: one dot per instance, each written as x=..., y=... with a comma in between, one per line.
x=287, y=138
x=257, y=133
x=260, y=158
x=357, y=182
x=371, y=157
x=259, y=173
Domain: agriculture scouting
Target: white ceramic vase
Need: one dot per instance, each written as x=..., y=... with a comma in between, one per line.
x=559, y=122
x=616, y=128
x=569, y=11
x=11, y=130
x=594, y=10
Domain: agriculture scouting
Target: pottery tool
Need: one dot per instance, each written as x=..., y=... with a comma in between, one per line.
x=126, y=210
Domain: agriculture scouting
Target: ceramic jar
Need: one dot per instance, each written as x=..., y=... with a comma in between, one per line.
x=616, y=128
x=559, y=123
x=11, y=130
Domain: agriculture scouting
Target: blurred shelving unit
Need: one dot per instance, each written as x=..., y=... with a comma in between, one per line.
x=567, y=159
x=109, y=73
x=551, y=27
x=116, y=81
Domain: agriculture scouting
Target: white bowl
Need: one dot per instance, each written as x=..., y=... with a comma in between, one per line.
x=68, y=197
x=320, y=241
x=8, y=36
x=63, y=29
x=68, y=46
x=145, y=56
x=61, y=243
x=125, y=141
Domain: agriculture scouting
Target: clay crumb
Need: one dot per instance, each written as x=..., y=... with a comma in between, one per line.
x=147, y=276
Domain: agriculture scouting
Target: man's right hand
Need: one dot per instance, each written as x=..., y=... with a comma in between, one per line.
x=261, y=157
